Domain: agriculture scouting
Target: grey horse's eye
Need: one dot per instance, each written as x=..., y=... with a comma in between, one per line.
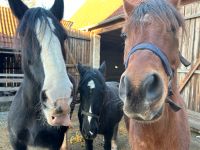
x=44, y=96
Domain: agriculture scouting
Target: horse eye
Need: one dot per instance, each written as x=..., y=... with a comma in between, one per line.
x=44, y=96
x=123, y=35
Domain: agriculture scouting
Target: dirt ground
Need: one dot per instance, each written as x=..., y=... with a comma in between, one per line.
x=75, y=139
x=74, y=136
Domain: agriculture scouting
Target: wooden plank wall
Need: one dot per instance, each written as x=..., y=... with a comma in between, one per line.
x=80, y=50
x=190, y=48
x=80, y=47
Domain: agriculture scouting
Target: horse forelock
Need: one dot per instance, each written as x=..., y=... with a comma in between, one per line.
x=150, y=11
x=27, y=34
x=91, y=75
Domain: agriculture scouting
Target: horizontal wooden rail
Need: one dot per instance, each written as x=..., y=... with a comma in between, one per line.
x=11, y=75
x=7, y=89
x=6, y=99
x=194, y=120
x=10, y=80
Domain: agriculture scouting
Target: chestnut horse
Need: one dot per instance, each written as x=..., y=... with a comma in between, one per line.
x=156, y=116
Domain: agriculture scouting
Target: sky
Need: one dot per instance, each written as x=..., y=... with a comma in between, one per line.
x=71, y=6
x=83, y=13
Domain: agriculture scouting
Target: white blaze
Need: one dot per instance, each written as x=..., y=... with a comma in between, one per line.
x=89, y=117
x=91, y=84
x=56, y=82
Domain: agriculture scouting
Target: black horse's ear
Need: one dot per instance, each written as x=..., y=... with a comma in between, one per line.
x=58, y=9
x=81, y=69
x=102, y=68
x=18, y=8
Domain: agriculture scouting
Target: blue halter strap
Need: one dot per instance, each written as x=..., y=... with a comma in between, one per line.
x=157, y=51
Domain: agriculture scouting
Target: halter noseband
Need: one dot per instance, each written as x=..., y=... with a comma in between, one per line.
x=169, y=71
x=89, y=114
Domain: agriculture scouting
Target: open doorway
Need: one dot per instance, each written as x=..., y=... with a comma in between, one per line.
x=112, y=51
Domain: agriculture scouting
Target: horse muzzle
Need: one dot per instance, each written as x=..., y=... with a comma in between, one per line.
x=143, y=102
x=58, y=113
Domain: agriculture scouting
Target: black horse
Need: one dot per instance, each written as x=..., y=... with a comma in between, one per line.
x=100, y=107
x=39, y=114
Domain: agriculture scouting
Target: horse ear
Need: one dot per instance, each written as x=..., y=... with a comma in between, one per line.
x=102, y=68
x=18, y=8
x=81, y=69
x=176, y=3
x=128, y=7
x=58, y=9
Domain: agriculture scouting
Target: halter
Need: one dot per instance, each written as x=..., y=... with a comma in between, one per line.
x=85, y=77
x=83, y=112
x=165, y=62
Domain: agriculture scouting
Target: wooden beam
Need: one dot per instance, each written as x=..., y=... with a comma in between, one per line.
x=11, y=75
x=184, y=82
x=6, y=99
x=66, y=45
x=109, y=28
x=7, y=89
x=10, y=80
x=194, y=120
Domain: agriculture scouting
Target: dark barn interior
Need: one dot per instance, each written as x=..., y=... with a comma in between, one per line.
x=111, y=50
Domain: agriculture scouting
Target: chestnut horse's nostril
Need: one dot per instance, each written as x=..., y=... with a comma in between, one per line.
x=152, y=87
x=124, y=87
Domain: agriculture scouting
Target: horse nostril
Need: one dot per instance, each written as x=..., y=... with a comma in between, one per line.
x=152, y=87
x=59, y=110
x=124, y=87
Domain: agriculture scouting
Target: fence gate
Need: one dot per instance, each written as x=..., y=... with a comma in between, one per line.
x=189, y=78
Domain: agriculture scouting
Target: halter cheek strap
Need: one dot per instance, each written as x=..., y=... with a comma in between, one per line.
x=165, y=62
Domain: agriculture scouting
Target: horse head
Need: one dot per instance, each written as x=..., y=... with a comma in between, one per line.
x=151, y=58
x=42, y=40
x=92, y=91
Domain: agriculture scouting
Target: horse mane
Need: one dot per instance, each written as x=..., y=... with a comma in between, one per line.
x=26, y=32
x=160, y=11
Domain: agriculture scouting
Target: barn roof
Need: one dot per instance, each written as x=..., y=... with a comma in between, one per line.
x=8, y=26
x=93, y=12
x=118, y=15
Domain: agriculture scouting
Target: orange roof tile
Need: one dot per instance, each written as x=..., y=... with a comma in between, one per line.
x=8, y=26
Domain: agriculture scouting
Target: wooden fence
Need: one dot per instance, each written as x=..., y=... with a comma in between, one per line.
x=84, y=48
x=190, y=48
x=80, y=48
x=9, y=85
